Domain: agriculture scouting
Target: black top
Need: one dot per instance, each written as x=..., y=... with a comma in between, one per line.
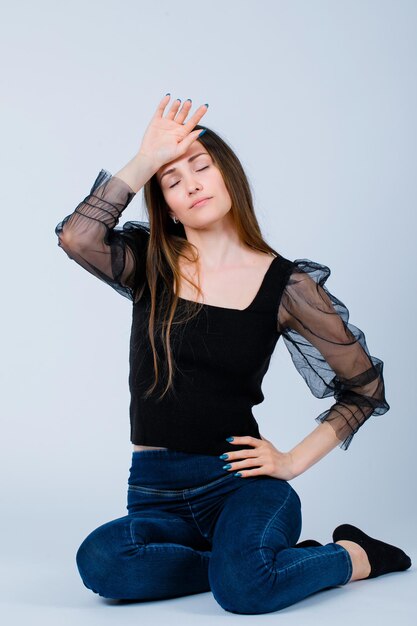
x=221, y=355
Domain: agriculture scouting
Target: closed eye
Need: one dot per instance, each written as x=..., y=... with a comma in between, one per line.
x=203, y=168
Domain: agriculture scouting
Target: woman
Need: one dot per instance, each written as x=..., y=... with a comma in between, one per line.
x=210, y=300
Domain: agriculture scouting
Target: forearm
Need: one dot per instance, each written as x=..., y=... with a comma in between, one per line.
x=137, y=172
x=313, y=448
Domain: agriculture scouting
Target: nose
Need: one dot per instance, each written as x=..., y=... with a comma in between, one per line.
x=193, y=183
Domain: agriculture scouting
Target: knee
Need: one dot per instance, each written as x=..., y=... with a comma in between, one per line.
x=232, y=585
x=97, y=558
x=247, y=588
x=250, y=599
x=234, y=597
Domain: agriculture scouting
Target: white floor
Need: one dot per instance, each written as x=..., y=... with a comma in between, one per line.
x=51, y=592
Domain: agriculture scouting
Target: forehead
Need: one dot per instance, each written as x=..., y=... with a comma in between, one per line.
x=195, y=149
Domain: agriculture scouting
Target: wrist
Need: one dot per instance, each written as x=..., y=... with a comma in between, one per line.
x=147, y=162
x=137, y=172
x=296, y=468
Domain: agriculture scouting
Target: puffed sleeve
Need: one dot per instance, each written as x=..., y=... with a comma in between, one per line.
x=330, y=353
x=90, y=238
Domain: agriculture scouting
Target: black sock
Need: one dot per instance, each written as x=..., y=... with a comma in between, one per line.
x=383, y=557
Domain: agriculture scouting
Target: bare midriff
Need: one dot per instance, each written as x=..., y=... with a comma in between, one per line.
x=138, y=448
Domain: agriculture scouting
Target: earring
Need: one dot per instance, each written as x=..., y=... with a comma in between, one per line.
x=176, y=220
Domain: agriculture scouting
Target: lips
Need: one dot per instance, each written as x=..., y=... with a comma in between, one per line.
x=198, y=201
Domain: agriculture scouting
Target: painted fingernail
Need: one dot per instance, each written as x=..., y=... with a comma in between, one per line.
x=228, y=466
x=202, y=132
x=229, y=438
x=206, y=105
x=237, y=474
x=188, y=100
x=224, y=456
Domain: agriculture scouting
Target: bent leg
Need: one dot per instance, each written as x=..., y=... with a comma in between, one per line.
x=145, y=556
x=254, y=566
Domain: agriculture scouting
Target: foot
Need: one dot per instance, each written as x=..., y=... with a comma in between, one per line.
x=360, y=563
x=383, y=557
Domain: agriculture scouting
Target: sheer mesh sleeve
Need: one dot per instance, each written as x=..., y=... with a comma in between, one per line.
x=330, y=353
x=90, y=238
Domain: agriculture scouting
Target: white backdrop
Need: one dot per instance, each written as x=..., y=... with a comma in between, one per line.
x=318, y=100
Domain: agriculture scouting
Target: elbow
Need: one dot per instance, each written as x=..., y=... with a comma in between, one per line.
x=65, y=246
x=68, y=239
x=63, y=232
x=70, y=244
x=65, y=241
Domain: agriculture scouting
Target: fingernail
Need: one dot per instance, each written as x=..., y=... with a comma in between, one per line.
x=228, y=466
x=188, y=99
x=202, y=132
x=168, y=94
x=237, y=474
x=229, y=438
x=206, y=105
x=224, y=456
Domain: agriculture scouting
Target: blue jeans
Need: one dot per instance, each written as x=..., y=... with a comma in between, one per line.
x=194, y=527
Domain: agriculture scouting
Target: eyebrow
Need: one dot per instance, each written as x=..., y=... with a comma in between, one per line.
x=173, y=169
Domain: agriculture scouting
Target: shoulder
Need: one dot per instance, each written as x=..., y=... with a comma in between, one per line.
x=305, y=272
x=303, y=283
x=134, y=233
x=143, y=228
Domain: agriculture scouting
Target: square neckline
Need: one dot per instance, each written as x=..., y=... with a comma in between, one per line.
x=250, y=305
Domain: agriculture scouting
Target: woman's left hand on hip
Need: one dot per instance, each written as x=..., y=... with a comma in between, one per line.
x=264, y=457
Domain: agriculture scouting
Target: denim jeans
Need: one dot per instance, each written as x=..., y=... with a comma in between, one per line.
x=194, y=527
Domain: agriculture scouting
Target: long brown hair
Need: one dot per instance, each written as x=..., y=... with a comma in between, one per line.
x=167, y=242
